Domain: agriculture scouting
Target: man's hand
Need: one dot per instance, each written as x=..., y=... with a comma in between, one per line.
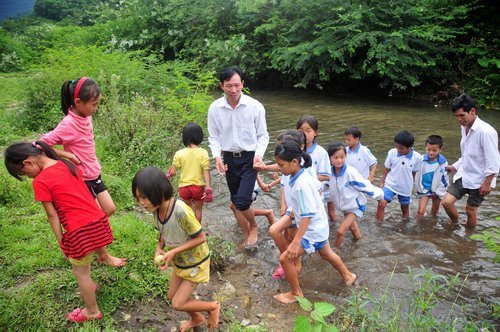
x=450, y=169
x=220, y=166
x=485, y=188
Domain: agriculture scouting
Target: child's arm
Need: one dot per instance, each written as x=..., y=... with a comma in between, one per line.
x=386, y=171
x=373, y=168
x=171, y=171
x=206, y=174
x=54, y=221
x=67, y=155
x=261, y=184
x=268, y=168
x=274, y=183
x=323, y=177
x=283, y=206
x=191, y=243
x=293, y=248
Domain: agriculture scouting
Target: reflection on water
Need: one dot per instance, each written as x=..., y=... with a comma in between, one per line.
x=393, y=246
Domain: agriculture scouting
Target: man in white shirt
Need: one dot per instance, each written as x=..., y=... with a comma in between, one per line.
x=477, y=168
x=238, y=139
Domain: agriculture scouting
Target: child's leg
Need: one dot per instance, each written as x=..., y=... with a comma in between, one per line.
x=422, y=204
x=327, y=254
x=449, y=206
x=105, y=257
x=269, y=213
x=381, y=209
x=198, y=208
x=289, y=235
x=276, y=232
x=106, y=202
x=292, y=277
x=179, y=292
x=330, y=207
x=347, y=223
x=86, y=285
x=436, y=203
x=406, y=211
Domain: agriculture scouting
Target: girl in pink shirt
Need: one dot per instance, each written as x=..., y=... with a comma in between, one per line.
x=79, y=100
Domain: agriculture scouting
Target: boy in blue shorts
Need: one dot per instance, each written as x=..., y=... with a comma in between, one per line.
x=358, y=155
x=431, y=181
x=401, y=165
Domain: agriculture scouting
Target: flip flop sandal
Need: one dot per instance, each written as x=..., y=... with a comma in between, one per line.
x=279, y=273
x=77, y=316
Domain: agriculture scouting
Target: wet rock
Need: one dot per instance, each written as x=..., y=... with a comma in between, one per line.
x=245, y=322
x=238, y=259
x=225, y=293
x=126, y=317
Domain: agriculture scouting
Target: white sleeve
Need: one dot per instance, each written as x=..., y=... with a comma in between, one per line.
x=489, y=142
x=261, y=129
x=358, y=182
x=214, y=134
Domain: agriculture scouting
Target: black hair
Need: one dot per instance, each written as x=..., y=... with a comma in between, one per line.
x=152, y=183
x=89, y=91
x=192, y=134
x=334, y=147
x=354, y=131
x=227, y=73
x=463, y=101
x=404, y=138
x=296, y=136
x=18, y=152
x=310, y=120
x=435, y=140
x=290, y=150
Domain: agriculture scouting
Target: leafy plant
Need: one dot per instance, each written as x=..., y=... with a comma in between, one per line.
x=316, y=320
x=491, y=239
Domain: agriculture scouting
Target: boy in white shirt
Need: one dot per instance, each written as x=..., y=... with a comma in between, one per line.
x=358, y=155
x=432, y=179
x=401, y=164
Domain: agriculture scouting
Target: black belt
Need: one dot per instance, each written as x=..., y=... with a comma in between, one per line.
x=237, y=154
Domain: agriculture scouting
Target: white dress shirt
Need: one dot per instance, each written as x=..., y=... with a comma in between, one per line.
x=480, y=156
x=240, y=129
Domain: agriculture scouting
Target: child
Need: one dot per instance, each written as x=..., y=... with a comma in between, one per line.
x=346, y=187
x=401, y=165
x=79, y=100
x=358, y=155
x=311, y=219
x=59, y=186
x=320, y=162
x=194, y=165
x=431, y=181
x=182, y=242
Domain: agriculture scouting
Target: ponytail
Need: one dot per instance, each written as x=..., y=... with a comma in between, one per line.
x=83, y=88
x=18, y=152
x=306, y=160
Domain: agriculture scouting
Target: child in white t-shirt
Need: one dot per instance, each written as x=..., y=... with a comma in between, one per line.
x=358, y=155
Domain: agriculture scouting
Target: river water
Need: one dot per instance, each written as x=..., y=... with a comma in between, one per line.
x=387, y=250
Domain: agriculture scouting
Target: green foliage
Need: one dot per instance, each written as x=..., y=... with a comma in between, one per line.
x=491, y=239
x=317, y=316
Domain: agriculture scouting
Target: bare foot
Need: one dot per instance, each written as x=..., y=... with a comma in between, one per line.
x=192, y=323
x=213, y=318
x=112, y=260
x=287, y=297
x=351, y=280
x=252, y=237
x=270, y=216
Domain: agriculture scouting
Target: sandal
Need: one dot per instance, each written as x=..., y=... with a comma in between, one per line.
x=279, y=273
x=77, y=316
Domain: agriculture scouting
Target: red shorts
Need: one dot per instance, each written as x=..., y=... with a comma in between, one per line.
x=192, y=192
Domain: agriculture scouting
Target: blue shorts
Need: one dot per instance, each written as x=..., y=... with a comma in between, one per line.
x=389, y=195
x=312, y=247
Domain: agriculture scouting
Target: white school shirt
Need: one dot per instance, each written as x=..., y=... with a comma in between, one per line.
x=320, y=159
x=347, y=189
x=361, y=159
x=285, y=184
x=306, y=202
x=480, y=157
x=400, y=177
x=243, y=128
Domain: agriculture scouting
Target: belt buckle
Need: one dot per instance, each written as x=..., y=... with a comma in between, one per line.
x=237, y=154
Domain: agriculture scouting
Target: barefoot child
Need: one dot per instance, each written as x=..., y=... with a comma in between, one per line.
x=346, y=189
x=431, y=181
x=80, y=226
x=182, y=242
x=79, y=100
x=193, y=164
x=401, y=164
x=311, y=219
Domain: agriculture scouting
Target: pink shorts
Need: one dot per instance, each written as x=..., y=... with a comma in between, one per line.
x=191, y=192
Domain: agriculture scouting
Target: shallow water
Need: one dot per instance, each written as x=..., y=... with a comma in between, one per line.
x=387, y=250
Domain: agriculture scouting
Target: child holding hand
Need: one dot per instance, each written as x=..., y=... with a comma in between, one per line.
x=80, y=226
x=193, y=164
x=347, y=188
x=182, y=242
x=313, y=229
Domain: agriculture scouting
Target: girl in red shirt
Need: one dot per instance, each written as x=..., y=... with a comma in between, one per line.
x=80, y=226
